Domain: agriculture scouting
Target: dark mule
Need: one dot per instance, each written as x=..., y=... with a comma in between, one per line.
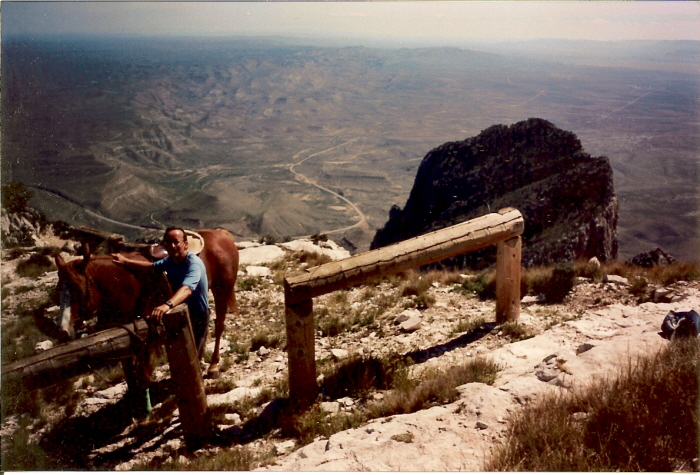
x=96, y=286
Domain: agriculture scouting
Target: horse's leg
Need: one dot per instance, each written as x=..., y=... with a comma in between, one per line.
x=138, y=377
x=220, y=301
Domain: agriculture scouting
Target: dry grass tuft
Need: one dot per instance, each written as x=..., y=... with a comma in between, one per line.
x=645, y=420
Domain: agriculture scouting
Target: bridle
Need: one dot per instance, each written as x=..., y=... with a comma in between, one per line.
x=82, y=294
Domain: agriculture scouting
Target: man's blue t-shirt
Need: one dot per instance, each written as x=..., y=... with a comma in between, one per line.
x=192, y=273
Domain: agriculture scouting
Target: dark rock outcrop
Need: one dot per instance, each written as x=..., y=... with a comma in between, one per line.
x=565, y=195
x=655, y=257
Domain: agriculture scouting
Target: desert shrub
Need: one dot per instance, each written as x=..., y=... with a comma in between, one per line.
x=483, y=285
x=220, y=386
x=534, y=280
x=35, y=266
x=558, y=286
x=21, y=335
x=332, y=325
x=435, y=387
x=16, y=196
x=416, y=285
x=646, y=419
x=231, y=459
x=445, y=277
x=316, y=238
x=312, y=259
x=339, y=298
x=359, y=375
x=639, y=287
x=268, y=239
x=619, y=268
x=467, y=326
x=421, y=302
x=266, y=338
x=248, y=283
x=516, y=331
x=676, y=272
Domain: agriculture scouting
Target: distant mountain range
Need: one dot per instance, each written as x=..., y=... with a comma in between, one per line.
x=268, y=136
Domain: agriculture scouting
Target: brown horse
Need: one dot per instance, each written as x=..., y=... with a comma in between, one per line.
x=96, y=286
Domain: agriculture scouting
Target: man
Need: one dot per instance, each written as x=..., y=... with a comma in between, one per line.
x=188, y=279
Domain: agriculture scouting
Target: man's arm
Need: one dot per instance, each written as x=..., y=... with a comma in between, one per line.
x=131, y=263
x=179, y=297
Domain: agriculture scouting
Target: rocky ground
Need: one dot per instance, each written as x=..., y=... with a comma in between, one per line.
x=598, y=328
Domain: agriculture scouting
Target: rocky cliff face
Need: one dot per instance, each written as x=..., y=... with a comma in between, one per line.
x=565, y=195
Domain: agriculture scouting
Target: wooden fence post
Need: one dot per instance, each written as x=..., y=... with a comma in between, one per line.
x=301, y=352
x=186, y=375
x=508, y=280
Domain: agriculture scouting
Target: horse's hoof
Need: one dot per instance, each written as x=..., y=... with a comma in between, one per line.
x=213, y=374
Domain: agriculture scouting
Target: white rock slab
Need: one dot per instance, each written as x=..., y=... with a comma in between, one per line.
x=260, y=255
x=232, y=396
x=258, y=271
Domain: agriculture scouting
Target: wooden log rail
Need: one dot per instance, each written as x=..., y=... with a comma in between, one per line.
x=503, y=229
x=113, y=345
x=74, y=358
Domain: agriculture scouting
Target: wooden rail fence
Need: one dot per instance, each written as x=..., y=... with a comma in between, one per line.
x=112, y=345
x=503, y=229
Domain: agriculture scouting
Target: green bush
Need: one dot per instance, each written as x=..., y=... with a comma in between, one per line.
x=558, y=286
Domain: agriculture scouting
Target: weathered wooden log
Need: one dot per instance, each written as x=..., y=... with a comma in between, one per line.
x=503, y=228
x=186, y=374
x=419, y=251
x=508, y=255
x=301, y=353
x=74, y=358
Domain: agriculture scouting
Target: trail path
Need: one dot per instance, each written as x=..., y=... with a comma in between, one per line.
x=362, y=221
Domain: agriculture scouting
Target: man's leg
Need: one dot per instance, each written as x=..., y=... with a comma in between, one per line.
x=200, y=326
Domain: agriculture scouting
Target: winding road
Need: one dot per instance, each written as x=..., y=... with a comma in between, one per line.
x=362, y=223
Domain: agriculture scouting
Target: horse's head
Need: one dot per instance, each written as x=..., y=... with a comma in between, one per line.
x=78, y=295
x=95, y=286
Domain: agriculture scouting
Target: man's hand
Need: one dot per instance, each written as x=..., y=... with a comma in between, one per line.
x=158, y=312
x=119, y=259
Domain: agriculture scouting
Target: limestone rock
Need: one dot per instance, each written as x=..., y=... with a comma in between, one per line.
x=339, y=354
x=332, y=407
x=411, y=325
x=258, y=271
x=260, y=255
x=407, y=315
x=43, y=346
x=615, y=279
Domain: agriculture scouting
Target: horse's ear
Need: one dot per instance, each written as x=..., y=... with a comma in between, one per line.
x=60, y=262
x=86, y=260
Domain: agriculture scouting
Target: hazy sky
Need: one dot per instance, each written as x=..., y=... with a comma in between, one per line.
x=421, y=20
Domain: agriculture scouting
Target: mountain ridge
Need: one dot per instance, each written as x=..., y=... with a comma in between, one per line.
x=566, y=196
